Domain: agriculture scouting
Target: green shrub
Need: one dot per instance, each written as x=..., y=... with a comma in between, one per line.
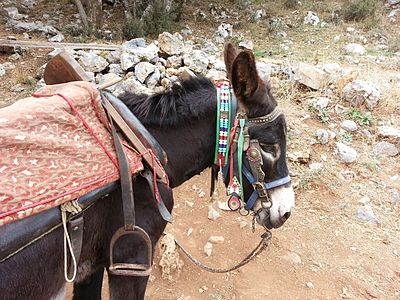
x=132, y=29
x=358, y=10
x=291, y=4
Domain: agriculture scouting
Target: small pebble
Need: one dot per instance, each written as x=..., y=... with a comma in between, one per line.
x=310, y=285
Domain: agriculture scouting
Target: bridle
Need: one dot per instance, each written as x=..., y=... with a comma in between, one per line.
x=232, y=141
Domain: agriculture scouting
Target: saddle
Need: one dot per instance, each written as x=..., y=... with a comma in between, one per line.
x=15, y=231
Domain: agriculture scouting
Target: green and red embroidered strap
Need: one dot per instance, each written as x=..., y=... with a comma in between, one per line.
x=224, y=112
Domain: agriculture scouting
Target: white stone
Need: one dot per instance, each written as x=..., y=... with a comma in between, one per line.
x=143, y=70
x=354, y=48
x=386, y=149
x=349, y=125
x=58, y=38
x=2, y=70
x=359, y=92
x=170, y=44
x=319, y=103
x=215, y=239
x=387, y=131
x=212, y=213
x=246, y=45
x=92, y=62
x=347, y=154
x=208, y=247
x=197, y=61
x=223, y=31
x=216, y=75
x=311, y=18
x=309, y=75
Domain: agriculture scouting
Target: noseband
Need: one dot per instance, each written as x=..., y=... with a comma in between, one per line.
x=232, y=141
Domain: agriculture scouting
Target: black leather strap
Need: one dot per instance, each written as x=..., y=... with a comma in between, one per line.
x=165, y=214
x=126, y=180
x=76, y=234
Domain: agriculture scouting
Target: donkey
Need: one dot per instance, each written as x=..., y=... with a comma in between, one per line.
x=183, y=121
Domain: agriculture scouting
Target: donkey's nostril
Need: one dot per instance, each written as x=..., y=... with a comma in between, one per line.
x=286, y=216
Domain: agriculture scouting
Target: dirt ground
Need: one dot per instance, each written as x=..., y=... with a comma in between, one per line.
x=323, y=251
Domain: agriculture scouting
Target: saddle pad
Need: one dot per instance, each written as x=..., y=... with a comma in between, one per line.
x=48, y=156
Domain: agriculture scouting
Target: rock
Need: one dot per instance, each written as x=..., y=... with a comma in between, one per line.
x=310, y=285
x=216, y=75
x=8, y=66
x=28, y=3
x=359, y=92
x=133, y=86
x=394, y=196
x=2, y=70
x=393, y=2
x=393, y=15
x=309, y=75
x=349, y=125
x=114, y=57
x=137, y=47
x=299, y=156
x=385, y=149
x=292, y=257
x=311, y=18
x=166, y=83
x=17, y=88
x=389, y=132
x=199, y=15
x=258, y=15
x=12, y=12
x=319, y=103
x=115, y=69
x=354, y=48
x=347, y=154
x=366, y=214
x=58, y=38
x=128, y=61
x=223, y=31
x=197, y=61
x=215, y=239
x=322, y=136
x=212, y=213
x=264, y=70
x=242, y=224
x=332, y=68
x=174, y=62
x=170, y=44
x=366, y=133
x=32, y=26
x=223, y=205
x=316, y=166
x=100, y=78
x=246, y=45
x=143, y=70
x=92, y=62
x=170, y=261
x=153, y=79
x=208, y=247
x=189, y=203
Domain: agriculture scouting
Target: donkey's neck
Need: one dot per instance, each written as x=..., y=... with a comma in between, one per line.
x=190, y=148
x=183, y=121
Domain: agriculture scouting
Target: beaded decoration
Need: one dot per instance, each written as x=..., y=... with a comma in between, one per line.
x=223, y=123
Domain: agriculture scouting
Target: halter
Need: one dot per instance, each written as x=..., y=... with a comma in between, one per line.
x=232, y=141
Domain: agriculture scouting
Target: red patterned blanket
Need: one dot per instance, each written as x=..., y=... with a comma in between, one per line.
x=49, y=155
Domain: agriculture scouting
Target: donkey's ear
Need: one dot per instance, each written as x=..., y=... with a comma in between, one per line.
x=229, y=56
x=244, y=78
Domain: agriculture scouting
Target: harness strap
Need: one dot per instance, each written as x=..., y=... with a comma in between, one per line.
x=126, y=180
x=165, y=214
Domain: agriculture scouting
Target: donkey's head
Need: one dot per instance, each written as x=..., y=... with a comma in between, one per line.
x=265, y=158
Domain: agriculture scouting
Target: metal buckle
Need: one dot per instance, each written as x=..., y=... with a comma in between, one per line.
x=261, y=190
x=127, y=269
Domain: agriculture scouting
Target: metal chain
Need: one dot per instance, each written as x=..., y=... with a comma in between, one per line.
x=262, y=245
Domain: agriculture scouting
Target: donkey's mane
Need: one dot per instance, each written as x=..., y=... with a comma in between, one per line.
x=187, y=100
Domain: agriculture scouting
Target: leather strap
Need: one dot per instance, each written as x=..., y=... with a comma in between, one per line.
x=126, y=180
x=76, y=235
x=165, y=214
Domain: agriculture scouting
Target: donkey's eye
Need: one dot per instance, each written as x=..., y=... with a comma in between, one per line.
x=270, y=148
